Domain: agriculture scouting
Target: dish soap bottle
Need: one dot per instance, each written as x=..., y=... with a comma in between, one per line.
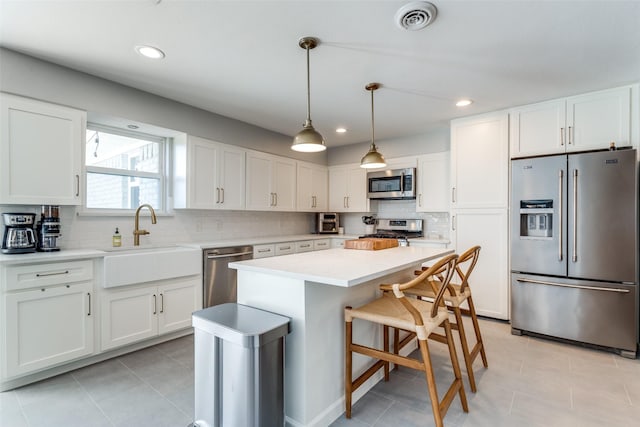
x=117, y=239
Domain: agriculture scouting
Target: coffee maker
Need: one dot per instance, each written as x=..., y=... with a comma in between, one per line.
x=18, y=237
x=49, y=228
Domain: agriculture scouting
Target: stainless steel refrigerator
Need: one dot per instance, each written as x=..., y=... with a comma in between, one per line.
x=574, y=248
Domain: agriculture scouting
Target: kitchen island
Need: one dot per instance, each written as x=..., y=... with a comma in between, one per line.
x=312, y=289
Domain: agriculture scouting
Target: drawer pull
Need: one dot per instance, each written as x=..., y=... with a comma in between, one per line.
x=56, y=273
x=264, y=250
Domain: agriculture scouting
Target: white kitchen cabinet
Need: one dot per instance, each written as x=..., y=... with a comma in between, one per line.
x=304, y=246
x=479, y=207
x=312, y=188
x=337, y=242
x=134, y=313
x=40, y=152
x=480, y=162
x=264, y=251
x=433, y=182
x=489, y=281
x=285, y=248
x=584, y=122
x=319, y=245
x=208, y=174
x=48, y=315
x=348, y=189
x=271, y=182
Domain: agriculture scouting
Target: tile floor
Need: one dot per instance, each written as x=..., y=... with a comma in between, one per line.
x=530, y=382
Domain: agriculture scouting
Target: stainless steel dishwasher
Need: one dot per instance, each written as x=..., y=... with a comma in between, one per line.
x=219, y=280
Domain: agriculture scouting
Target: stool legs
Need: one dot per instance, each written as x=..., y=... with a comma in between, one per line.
x=348, y=389
x=479, y=343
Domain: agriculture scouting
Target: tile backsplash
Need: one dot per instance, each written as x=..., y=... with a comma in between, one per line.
x=183, y=226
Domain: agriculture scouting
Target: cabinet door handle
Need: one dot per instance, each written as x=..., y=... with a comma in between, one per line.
x=347, y=202
x=313, y=202
x=89, y=295
x=276, y=198
x=77, y=185
x=453, y=223
x=561, y=137
x=344, y=202
x=55, y=273
x=453, y=194
x=570, y=135
x=161, y=303
x=217, y=195
x=155, y=303
x=222, y=193
x=420, y=200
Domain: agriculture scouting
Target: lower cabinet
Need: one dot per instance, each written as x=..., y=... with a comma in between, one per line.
x=48, y=326
x=490, y=279
x=132, y=314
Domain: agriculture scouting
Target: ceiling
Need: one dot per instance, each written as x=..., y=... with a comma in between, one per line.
x=241, y=59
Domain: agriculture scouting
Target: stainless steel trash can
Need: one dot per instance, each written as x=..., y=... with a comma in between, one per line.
x=239, y=366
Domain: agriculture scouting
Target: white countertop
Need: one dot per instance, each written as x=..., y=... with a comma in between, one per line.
x=61, y=255
x=69, y=254
x=342, y=267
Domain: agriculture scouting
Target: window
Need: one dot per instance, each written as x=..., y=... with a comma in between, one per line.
x=124, y=169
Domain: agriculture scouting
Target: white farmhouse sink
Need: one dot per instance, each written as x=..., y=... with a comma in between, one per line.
x=128, y=266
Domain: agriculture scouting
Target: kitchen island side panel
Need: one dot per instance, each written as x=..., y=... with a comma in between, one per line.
x=314, y=354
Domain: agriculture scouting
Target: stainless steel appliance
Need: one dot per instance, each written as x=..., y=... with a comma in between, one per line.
x=392, y=184
x=220, y=281
x=574, y=248
x=401, y=229
x=328, y=223
x=18, y=237
x=49, y=228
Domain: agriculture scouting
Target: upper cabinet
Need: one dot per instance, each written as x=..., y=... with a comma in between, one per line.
x=480, y=162
x=433, y=183
x=271, y=182
x=348, y=189
x=313, y=187
x=40, y=152
x=584, y=122
x=208, y=174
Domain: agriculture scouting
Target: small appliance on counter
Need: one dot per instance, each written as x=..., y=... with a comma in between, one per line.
x=18, y=237
x=49, y=228
x=328, y=223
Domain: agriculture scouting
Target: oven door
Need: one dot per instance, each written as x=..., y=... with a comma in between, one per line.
x=392, y=184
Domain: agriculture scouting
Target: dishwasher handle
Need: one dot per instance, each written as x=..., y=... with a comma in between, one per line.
x=231, y=255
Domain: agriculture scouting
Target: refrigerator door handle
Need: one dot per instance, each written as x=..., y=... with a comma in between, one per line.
x=565, y=285
x=574, y=257
x=560, y=193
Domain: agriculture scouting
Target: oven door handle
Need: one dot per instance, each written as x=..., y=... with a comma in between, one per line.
x=566, y=285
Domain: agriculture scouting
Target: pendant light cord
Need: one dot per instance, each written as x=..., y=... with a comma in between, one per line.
x=308, y=88
x=373, y=144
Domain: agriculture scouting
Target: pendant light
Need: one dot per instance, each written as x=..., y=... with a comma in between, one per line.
x=308, y=139
x=372, y=159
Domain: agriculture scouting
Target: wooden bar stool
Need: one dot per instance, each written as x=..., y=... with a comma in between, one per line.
x=395, y=310
x=456, y=295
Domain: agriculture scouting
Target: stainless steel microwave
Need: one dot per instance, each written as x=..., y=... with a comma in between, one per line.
x=392, y=184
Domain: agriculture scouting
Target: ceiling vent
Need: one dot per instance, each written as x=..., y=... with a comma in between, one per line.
x=415, y=15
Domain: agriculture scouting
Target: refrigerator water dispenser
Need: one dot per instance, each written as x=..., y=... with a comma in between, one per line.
x=536, y=219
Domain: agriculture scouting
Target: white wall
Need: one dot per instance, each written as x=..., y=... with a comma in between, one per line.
x=432, y=142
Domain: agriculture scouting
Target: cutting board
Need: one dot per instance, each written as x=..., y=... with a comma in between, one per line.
x=371, y=244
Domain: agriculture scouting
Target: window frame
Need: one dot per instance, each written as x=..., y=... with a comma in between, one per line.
x=163, y=175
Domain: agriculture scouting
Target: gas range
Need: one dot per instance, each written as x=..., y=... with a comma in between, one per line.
x=400, y=229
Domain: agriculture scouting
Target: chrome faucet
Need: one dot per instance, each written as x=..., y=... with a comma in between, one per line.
x=136, y=231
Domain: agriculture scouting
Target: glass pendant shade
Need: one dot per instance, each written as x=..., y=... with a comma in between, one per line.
x=308, y=140
x=373, y=159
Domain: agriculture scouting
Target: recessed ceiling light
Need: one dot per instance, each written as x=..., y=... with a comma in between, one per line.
x=341, y=130
x=133, y=126
x=464, y=103
x=150, y=52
